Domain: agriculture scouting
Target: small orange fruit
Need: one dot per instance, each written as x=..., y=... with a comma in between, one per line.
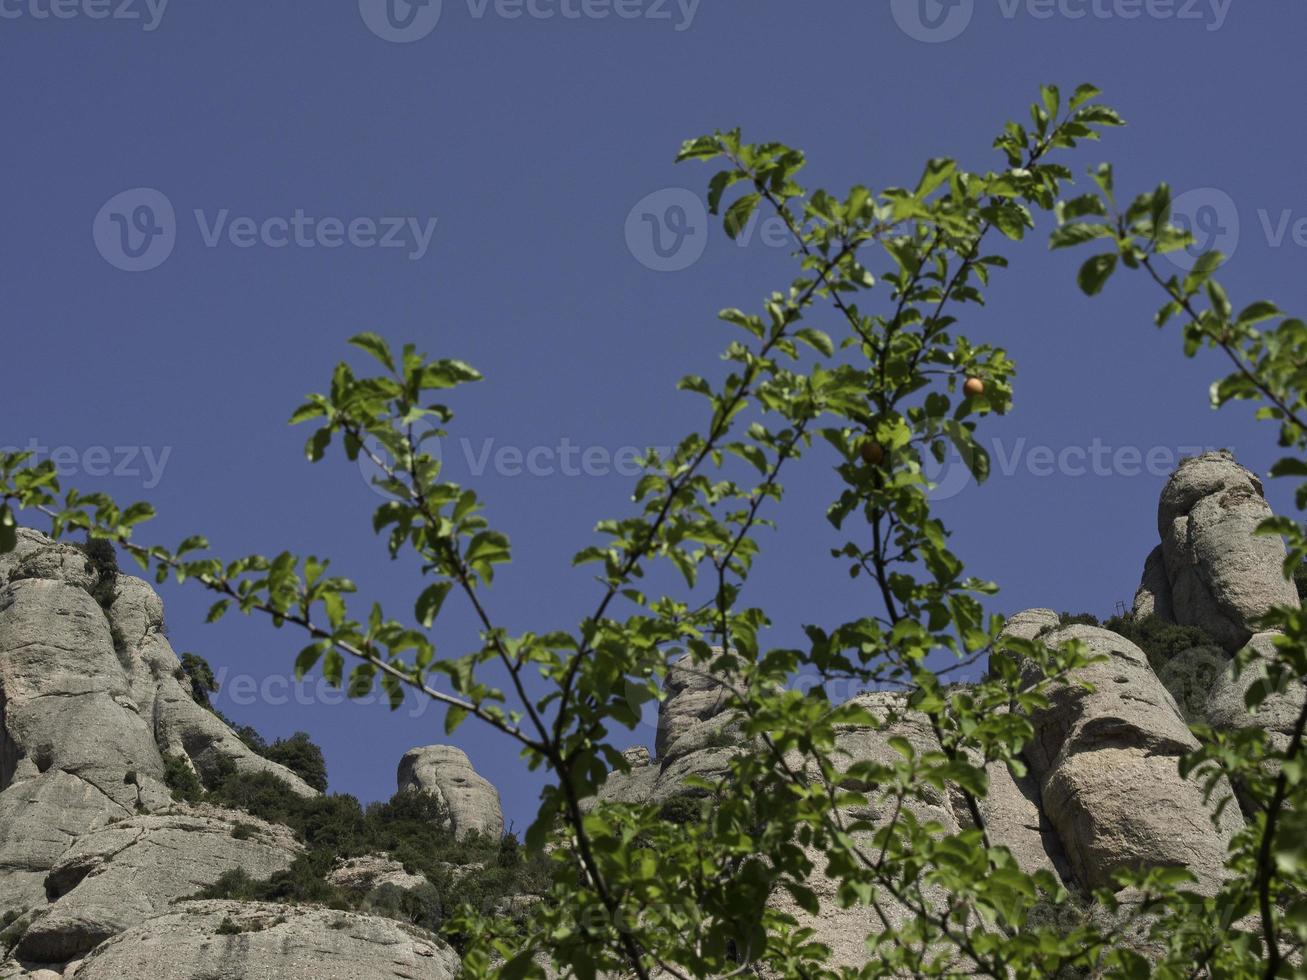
x=974, y=387
x=872, y=452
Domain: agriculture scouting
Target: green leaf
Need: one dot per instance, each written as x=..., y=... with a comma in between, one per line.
x=375, y=345
x=817, y=339
x=430, y=601
x=454, y=716
x=1095, y=273
x=1077, y=234
x=1083, y=94
x=739, y=213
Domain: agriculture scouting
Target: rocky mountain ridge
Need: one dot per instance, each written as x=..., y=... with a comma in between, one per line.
x=101, y=868
x=94, y=708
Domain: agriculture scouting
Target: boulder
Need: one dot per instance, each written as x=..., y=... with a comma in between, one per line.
x=1221, y=575
x=1106, y=763
x=134, y=869
x=182, y=727
x=254, y=941
x=446, y=772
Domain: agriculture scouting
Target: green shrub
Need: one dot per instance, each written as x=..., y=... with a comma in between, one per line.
x=1079, y=619
x=412, y=827
x=228, y=928
x=203, y=683
x=681, y=809
x=301, y=756
x=179, y=777
x=243, y=831
x=1160, y=640
x=103, y=557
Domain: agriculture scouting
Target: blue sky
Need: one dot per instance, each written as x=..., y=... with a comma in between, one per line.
x=501, y=156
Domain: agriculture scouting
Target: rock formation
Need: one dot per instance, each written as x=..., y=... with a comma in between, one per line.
x=94, y=852
x=252, y=941
x=99, y=866
x=1210, y=570
x=446, y=772
x=1106, y=765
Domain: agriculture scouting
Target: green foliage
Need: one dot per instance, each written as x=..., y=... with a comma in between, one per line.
x=301, y=756
x=1078, y=619
x=179, y=777
x=103, y=557
x=299, y=753
x=864, y=342
x=228, y=928
x=1162, y=641
x=200, y=674
x=413, y=828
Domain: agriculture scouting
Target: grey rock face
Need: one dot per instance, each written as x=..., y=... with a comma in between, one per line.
x=446, y=772
x=1106, y=764
x=693, y=695
x=120, y=875
x=373, y=871
x=253, y=941
x=181, y=726
x=1221, y=576
x=84, y=711
x=1226, y=709
x=75, y=750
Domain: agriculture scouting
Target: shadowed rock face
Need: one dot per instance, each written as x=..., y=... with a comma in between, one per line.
x=446, y=772
x=1210, y=570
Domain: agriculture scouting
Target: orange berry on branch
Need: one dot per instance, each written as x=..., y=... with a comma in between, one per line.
x=973, y=388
